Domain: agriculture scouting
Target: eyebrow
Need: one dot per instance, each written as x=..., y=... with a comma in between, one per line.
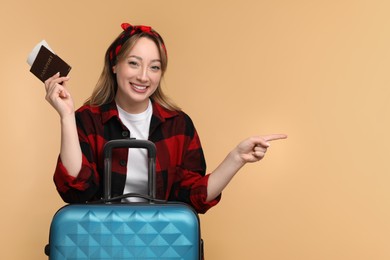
x=139, y=58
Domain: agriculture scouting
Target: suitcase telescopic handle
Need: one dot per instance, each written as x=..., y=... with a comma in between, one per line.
x=129, y=143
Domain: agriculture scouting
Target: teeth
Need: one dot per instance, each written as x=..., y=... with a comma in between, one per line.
x=139, y=87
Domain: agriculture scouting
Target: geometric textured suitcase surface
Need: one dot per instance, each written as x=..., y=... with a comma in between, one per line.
x=123, y=231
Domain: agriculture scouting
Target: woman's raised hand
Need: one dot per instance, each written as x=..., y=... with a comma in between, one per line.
x=254, y=148
x=58, y=95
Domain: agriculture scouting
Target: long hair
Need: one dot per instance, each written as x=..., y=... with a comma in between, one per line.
x=106, y=86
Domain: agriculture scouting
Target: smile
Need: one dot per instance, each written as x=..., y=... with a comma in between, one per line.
x=139, y=87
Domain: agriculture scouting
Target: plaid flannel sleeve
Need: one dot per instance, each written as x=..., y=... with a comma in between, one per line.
x=85, y=186
x=191, y=179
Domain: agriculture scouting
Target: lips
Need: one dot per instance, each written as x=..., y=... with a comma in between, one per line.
x=139, y=88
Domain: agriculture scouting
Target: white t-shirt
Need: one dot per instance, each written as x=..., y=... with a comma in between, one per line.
x=137, y=162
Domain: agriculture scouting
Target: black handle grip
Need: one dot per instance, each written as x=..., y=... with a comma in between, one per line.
x=129, y=143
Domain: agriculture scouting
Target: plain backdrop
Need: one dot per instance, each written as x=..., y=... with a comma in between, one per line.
x=315, y=70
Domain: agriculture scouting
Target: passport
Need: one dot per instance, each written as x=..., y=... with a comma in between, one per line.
x=46, y=64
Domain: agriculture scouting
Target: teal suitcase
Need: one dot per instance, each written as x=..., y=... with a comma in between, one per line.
x=153, y=229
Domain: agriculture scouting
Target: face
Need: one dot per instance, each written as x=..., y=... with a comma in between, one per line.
x=138, y=76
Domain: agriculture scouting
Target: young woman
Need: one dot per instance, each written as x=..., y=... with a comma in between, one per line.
x=128, y=102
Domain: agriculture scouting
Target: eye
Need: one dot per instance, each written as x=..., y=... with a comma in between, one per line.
x=133, y=63
x=155, y=68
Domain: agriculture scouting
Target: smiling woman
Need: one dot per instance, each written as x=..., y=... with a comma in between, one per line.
x=119, y=51
x=138, y=76
x=128, y=102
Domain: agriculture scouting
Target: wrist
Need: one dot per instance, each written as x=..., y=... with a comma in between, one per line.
x=236, y=159
x=67, y=118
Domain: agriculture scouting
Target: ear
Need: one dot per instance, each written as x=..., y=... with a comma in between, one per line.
x=114, y=69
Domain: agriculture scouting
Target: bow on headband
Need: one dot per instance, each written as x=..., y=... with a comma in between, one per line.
x=142, y=28
x=128, y=31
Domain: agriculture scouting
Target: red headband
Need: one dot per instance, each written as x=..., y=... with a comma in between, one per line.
x=128, y=31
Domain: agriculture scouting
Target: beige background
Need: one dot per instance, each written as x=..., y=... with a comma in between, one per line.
x=315, y=70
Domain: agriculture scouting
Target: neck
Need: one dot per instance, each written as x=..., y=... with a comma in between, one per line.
x=133, y=108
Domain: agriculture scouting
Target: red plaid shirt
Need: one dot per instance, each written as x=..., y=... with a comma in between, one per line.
x=180, y=163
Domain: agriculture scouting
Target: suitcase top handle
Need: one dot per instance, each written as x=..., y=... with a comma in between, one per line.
x=129, y=143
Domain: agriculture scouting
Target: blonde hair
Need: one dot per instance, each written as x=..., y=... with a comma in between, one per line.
x=106, y=86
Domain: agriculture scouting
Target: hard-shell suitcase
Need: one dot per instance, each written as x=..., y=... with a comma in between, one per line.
x=109, y=230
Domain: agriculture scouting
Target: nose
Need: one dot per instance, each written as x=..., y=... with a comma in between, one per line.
x=143, y=74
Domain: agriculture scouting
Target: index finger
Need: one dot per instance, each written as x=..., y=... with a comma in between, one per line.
x=57, y=75
x=56, y=78
x=273, y=137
